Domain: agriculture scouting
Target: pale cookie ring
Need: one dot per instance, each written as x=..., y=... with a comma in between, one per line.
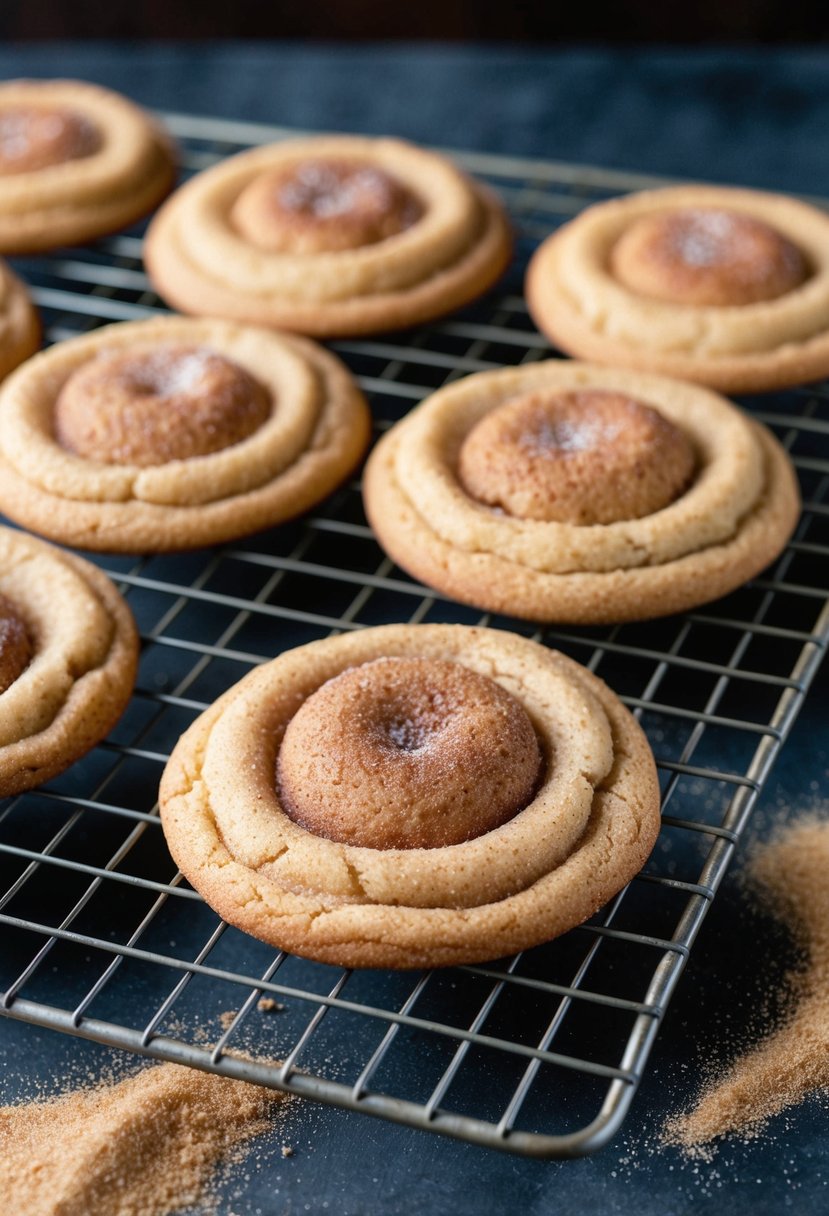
x=68, y=656
x=585, y=832
x=19, y=322
x=731, y=520
x=597, y=298
x=210, y=250
x=315, y=429
x=107, y=164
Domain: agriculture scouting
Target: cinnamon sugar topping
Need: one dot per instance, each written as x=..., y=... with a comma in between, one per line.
x=160, y=404
x=34, y=138
x=407, y=753
x=320, y=205
x=707, y=256
x=583, y=457
x=16, y=647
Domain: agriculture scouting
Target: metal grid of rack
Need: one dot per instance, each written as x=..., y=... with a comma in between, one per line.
x=538, y=1054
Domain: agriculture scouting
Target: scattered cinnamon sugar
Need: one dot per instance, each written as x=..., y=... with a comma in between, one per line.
x=145, y=1146
x=793, y=1060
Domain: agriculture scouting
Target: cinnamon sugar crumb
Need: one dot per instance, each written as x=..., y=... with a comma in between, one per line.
x=793, y=1060
x=267, y=1004
x=145, y=1146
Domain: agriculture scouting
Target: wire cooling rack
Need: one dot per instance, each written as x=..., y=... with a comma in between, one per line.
x=539, y=1054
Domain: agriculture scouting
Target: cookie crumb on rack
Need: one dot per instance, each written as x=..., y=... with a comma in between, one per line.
x=267, y=1004
x=793, y=1060
x=148, y=1145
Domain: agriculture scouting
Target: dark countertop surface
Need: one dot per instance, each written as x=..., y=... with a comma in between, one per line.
x=757, y=117
x=750, y=117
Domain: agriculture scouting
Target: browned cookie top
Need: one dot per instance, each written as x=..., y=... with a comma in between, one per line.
x=404, y=753
x=15, y=644
x=707, y=256
x=583, y=457
x=32, y=138
x=324, y=204
x=147, y=407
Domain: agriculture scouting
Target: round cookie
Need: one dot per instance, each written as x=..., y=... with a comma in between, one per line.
x=565, y=492
x=19, y=322
x=76, y=162
x=328, y=236
x=725, y=287
x=339, y=881
x=162, y=435
x=68, y=656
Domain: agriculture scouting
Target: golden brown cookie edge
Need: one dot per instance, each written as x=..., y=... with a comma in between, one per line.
x=142, y=527
x=25, y=324
x=788, y=365
x=183, y=287
x=197, y=852
x=96, y=702
x=488, y=581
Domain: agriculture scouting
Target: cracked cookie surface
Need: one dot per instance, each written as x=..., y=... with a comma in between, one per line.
x=575, y=831
x=638, y=496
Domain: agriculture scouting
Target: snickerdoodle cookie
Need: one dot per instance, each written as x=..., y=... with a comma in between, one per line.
x=328, y=236
x=76, y=162
x=168, y=434
x=725, y=287
x=68, y=653
x=566, y=492
x=411, y=796
x=19, y=322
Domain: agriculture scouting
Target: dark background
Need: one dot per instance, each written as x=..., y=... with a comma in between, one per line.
x=534, y=21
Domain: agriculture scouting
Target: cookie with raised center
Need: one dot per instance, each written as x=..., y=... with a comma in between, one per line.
x=169, y=434
x=329, y=236
x=76, y=162
x=68, y=655
x=19, y=322
x=724, y=287
x=411, y=796
x=567, y=492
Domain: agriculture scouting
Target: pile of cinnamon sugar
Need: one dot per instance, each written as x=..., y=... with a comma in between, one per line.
x=145, y=1146
x=793, y=1061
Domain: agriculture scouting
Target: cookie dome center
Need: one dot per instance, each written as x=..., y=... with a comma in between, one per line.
x=160, y=404
x=33, y=138
x=707, y=256
x=583, y=457
x=407, y=753
x=16, y=648
x=323, y=205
